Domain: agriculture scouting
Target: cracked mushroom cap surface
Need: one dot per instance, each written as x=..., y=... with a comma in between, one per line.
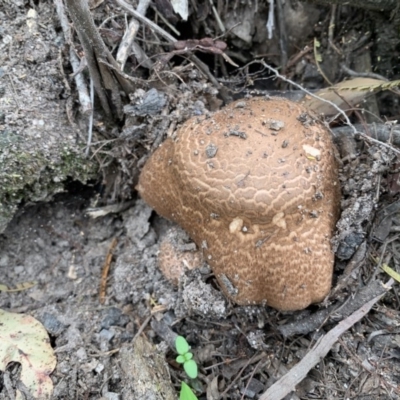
x=256, y=187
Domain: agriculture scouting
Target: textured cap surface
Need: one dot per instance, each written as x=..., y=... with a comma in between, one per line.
x=255, y=185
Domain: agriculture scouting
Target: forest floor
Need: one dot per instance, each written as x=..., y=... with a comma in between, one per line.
x=241, y=351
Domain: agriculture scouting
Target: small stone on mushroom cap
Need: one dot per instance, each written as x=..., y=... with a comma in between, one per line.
x=253, y=206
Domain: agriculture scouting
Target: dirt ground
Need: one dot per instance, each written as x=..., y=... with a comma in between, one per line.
x=241, y=351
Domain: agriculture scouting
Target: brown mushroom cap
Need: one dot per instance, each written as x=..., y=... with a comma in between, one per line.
x=256, y=188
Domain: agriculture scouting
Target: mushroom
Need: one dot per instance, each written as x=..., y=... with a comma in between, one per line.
x=256, y=187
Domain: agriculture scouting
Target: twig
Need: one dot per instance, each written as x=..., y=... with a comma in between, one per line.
x=369, y=138
x=90, y=128
x=331, y=29
x=294, y=60
x=84, y=99
x=217, y=17
x=372, y=75
x=270, y=21
x=314, y=322
x=126, y=76
x=130, y=34
x=317, y=58
x=381, y=132
x=288, y=382
x=251, y=360
x=166, y=22
x=250, y=378
x=356, y=112
x=106, y=269
x=383, y=251
x=127, y=7
x=96, y=212
x=141, y=328
x=365, y=4
x=106, y=83
x=353, y=265
x=200, y=65
x=126, y=43
x=283, y=37
x=340, y=111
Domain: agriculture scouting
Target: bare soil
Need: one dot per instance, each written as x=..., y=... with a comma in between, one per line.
x=241, y=351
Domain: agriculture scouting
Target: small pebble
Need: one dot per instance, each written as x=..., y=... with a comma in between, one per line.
x=52, y=325
x=106, y=334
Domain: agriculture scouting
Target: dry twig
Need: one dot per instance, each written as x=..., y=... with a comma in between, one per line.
x=288, y=382
x=83, y=94
x=130, y=35
x=95, y=50
x=105, y=271
x=377, y=5
x=316, y=320
x=339, y=110
x=200, y=65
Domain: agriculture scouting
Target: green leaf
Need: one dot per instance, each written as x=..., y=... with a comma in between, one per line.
x=188, y=356
x=186, y=393
x=181, y=345
x=180, y=359
x=190, y=368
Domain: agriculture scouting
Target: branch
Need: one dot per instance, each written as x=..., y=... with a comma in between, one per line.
x=377, y=5
x=83, y=94
x=95, y=51
x=288, y=382
x=200, y=65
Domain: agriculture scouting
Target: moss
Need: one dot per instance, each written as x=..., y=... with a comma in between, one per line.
x=35, y=176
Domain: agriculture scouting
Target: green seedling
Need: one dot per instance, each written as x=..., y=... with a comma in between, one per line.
x=185, y=357
x=186, y=393
x=189, y=365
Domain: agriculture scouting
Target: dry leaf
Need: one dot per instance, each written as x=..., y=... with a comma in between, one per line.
x=23, y=339
x=391, y=272
x=346, y=94
x=18, y=287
